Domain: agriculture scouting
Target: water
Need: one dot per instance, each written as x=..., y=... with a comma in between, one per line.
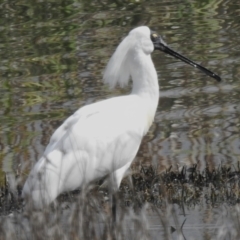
x=53, y=54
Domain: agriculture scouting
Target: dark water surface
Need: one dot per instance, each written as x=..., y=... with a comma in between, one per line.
x=53, y=54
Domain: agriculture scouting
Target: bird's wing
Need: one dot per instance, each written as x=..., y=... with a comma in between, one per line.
x=101, y=120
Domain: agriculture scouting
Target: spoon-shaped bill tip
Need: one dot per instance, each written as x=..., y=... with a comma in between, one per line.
x=192, y=63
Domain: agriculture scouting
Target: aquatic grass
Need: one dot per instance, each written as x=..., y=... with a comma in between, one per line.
x=87, y=214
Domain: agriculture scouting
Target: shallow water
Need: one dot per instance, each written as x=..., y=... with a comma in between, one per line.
x=172, y=223
x=52, y=58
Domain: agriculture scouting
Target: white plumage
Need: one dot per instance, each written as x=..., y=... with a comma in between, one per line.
x=104, y=137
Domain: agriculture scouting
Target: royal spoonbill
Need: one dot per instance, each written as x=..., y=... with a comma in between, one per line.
x=103, y=138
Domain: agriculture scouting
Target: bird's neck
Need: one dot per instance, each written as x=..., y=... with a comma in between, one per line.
x=144, y=77
x=145, y=86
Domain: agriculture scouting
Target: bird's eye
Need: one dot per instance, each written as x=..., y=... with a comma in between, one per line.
x=154, y=36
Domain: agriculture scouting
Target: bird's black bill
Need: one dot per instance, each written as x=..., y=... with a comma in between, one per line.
x=190, y=62
x=161, y=45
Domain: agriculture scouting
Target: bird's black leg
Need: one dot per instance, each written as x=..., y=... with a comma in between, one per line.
x=114, y=208
x=114, y=216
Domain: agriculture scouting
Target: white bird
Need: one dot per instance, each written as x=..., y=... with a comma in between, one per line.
x=104, y=137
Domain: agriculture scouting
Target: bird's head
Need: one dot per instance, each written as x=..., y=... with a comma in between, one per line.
x=141, y=39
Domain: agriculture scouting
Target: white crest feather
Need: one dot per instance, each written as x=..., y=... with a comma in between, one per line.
x=117, y=70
